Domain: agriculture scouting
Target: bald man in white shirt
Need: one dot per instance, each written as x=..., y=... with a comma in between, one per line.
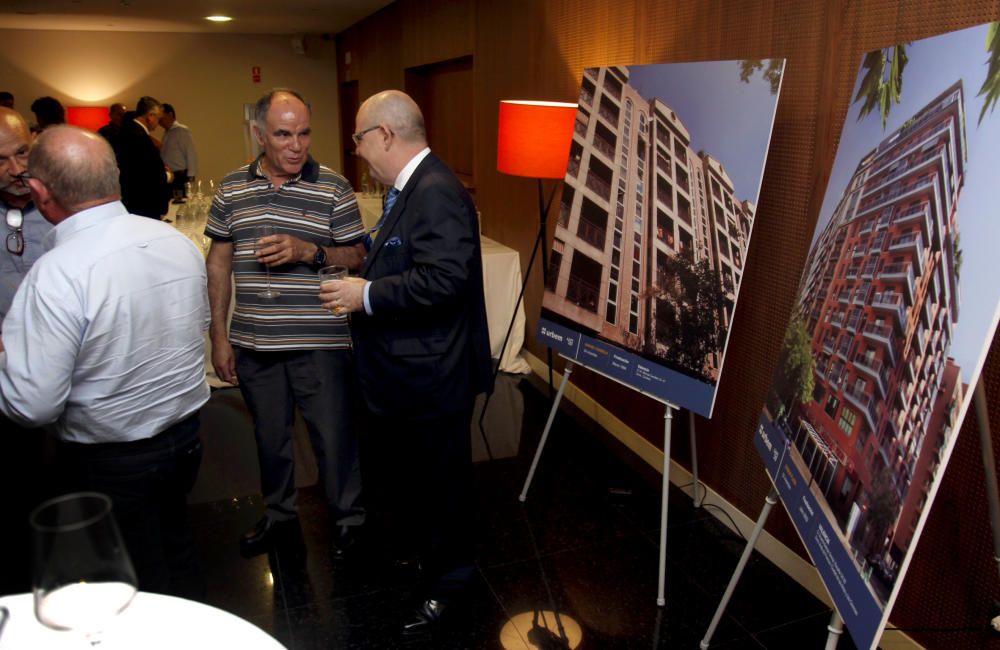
x=103, y=343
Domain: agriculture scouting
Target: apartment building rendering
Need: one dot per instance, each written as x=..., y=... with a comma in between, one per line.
x=636, y=195
x=880, y=301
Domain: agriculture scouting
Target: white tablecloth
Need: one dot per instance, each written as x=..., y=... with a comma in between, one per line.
x=151, y=622
x=370, y=206
x=502, y=284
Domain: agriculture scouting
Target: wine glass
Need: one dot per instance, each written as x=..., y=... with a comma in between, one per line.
x=261, y=231
x=83, y=577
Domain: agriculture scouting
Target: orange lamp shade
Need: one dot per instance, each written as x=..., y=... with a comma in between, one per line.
x=87, y=117
x=534, y=138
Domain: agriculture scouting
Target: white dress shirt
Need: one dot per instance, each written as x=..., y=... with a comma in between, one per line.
x=177, y=149
x=104, y=337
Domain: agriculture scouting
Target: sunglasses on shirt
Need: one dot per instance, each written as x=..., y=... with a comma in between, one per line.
x=15, y=238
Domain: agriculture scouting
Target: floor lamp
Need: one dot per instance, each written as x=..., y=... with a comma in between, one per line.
x=533, y=140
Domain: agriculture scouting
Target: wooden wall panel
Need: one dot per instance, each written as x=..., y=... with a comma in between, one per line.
x=524, y=49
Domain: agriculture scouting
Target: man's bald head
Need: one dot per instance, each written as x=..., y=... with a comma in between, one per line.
x=15, y=141
x=399, y=112
x=76, y=167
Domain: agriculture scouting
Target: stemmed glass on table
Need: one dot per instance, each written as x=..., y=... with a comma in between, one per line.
x=83, y=577
x=261, y=231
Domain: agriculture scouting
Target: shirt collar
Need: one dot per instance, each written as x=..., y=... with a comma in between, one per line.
x=80, y=221
x=409, y=168
x=309, y=173
x=144, y=127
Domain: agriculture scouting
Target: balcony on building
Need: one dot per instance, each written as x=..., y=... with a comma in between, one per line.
x=844, y=347
x=612, y=87
x=852, y=271
x=608, y=110
x=587, y=90
x=912, y=243
x=844, y=295
x=863, y=401
x=901, y=271
x=897, y=195
x=605, y=141
x=881, y=334
x=853, y=320
x=829, y=343
x=592, y=226
x=877, y=241
x=681, y=177
x=599, y=179
x=919, y=214
x=584, y=282
x=891, y=302
x=874, y=368
x=664, y=228
x=911, y=364
x=663, y=163
x=664, y=192
x=837, y=319
x=683, y=210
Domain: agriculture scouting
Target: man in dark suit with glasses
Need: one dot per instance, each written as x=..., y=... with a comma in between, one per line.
x=418, y=319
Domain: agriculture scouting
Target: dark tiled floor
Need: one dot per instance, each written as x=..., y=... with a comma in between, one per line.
x=581, y=550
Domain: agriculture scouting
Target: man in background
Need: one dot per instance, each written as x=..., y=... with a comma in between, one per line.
x=145, y=182
x=286, y=351
x=48, y=112
x=21, y=450
x=418, y=320
x=6, y=99
x=116, y=114
x=177, y=150
x=104, y=343
x=26, y=227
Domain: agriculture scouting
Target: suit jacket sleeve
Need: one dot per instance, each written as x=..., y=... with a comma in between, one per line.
x=443, y=243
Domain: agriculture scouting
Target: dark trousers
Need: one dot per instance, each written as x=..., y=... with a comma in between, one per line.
x=148, y=482
x=321, y=384
x=180, y=178
x=26, y=476
x=424, y=474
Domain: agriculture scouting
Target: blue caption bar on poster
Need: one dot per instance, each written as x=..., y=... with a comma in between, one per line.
x=628, y=368
x=857, y=604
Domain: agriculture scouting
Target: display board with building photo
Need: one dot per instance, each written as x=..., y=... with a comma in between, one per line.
x=655, y=219
x=896, y=309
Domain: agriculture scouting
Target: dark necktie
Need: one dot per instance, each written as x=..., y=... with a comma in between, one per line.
x=390, y=200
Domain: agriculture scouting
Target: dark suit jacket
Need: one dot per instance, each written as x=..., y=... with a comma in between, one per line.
x=143, y=178
x=425, y=351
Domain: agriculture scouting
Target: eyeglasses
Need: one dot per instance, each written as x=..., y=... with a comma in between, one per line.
x=357, y=137
x=15, y=240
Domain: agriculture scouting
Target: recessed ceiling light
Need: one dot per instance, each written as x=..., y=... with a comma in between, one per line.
x=219, y=19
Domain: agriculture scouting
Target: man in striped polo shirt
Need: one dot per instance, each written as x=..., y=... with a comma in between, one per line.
x=286, y=350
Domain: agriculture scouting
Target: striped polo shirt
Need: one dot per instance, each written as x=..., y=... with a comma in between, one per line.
x=317, y=206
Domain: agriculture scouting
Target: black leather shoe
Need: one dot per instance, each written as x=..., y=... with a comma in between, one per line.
x=345, y=542
x=423, y=618
x=262, y=536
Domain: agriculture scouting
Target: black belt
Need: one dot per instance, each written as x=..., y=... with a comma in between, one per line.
x=179, y=433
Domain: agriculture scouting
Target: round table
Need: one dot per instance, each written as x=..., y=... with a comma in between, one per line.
x=151, y=622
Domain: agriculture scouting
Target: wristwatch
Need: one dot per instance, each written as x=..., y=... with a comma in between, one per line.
x=319, y=259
